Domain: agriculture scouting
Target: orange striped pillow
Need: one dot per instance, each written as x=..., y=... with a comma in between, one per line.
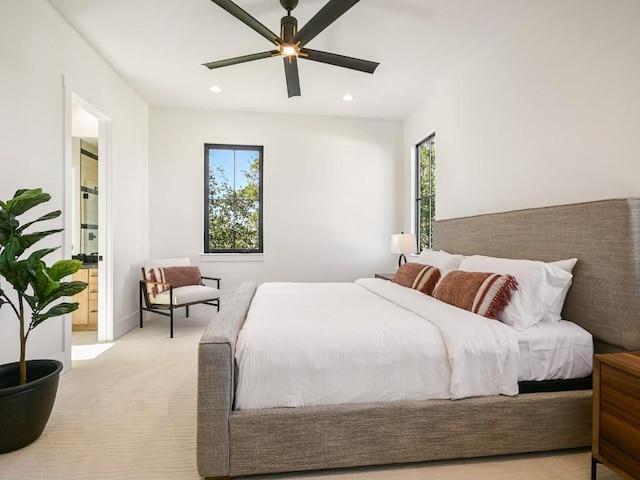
x=417, y=276
x=486, y=294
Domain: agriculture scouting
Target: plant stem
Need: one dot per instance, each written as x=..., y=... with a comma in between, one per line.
x=23, y=345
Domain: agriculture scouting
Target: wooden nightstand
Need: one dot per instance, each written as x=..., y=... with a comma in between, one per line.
x=385, y=276
x=616, y=414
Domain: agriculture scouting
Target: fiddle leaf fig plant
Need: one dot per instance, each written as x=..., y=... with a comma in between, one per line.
x=37, y=286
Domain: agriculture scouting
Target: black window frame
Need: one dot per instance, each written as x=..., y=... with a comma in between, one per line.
x=224, y=146
x=431, y=196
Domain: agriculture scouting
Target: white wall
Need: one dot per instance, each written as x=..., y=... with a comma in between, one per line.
x=332, y=192
x=37, y=50
x=547, y=113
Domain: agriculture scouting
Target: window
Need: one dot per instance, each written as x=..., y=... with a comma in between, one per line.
x=425, y=190
x=233, y=199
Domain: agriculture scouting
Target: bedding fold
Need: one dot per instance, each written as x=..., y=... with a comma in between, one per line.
x=483, y=354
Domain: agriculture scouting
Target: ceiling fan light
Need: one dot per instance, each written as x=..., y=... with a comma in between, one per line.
x=289, y=51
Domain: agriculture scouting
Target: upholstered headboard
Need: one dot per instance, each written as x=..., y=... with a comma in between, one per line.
x=605, y=237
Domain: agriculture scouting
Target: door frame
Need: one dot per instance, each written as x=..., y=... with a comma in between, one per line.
x=105, y=232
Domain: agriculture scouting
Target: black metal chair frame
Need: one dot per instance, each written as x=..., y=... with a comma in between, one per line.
x=161, y=309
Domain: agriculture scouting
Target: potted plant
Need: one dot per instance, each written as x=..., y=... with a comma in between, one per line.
x=28, y=387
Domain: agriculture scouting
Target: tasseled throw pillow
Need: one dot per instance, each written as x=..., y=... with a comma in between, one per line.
x=486, y=294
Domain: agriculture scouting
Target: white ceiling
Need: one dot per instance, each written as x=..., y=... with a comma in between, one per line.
x=158, y=47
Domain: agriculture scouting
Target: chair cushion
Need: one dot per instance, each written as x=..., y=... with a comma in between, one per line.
x=188, y=294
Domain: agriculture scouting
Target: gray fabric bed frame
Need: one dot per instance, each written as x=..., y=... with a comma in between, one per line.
x=604, y=299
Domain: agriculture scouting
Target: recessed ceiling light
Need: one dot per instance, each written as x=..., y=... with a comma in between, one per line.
x=348, y=97
x=215, y=89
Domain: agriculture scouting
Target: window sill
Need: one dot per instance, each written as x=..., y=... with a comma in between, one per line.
x=232, y=257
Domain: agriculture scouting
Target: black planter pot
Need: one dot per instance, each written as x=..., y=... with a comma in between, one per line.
x=25, y=409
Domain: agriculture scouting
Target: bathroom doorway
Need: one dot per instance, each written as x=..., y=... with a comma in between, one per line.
x=87, y=135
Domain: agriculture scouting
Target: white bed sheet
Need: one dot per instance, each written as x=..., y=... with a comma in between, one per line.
x=370, y=341
x=554, y=351
x=357, y=348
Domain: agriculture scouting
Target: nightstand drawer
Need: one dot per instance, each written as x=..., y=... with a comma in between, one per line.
x=616, y=413
x=620, y=405
x=620, y=380
x=617, y=432
x=619, y=458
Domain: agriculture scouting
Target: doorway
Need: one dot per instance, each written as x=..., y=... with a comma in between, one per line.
x=87, y=228
x=85, y=156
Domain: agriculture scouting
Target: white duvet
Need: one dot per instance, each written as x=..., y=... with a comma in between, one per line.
x=370, y=341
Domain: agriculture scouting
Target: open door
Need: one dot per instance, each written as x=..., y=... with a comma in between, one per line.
x=87, y=234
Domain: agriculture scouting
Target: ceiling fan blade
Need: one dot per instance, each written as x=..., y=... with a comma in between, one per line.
x=321, y=20
x=291, y=72
x=247, y=19
x=339, y=60
x=244, y=58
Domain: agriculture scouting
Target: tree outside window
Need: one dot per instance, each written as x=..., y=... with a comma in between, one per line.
x=233, y=199
x=425, y=191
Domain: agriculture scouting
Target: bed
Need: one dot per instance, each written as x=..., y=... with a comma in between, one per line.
x=604, y=300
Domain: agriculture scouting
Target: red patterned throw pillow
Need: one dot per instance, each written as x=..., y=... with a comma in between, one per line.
x=417, y=276
x=174, y=276
x=486, y=294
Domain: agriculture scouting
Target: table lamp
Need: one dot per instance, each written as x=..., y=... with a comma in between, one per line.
x=402, y=243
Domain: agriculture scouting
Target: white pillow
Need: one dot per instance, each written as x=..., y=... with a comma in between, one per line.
x=443, y=261
x=555, y=311
x=541, y=287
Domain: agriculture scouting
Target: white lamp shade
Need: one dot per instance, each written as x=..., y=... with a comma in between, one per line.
x=403, y=243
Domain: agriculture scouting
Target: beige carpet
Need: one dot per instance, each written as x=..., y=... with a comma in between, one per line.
x=130, y=414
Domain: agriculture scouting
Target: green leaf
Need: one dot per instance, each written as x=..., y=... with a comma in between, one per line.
x=63, y=268
x=25, y=200
x=6, y=226
x=65, y=289
x=38, y=255
x=42, y=284
x=69, y=289
x=48, y=216
x=13, y=269
x=31, y=301
x=55, y=311
x=31, y=238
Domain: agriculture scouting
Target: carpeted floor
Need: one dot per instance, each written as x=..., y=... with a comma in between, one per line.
x=130, y=413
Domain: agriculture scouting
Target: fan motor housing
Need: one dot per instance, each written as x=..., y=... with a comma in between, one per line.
x=289, y=27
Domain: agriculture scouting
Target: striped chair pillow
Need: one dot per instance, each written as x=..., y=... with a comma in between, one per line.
x=417, y=276
x=486, y=294
x=177, y=276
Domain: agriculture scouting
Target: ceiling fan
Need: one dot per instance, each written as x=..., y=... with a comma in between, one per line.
x=291, y=42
